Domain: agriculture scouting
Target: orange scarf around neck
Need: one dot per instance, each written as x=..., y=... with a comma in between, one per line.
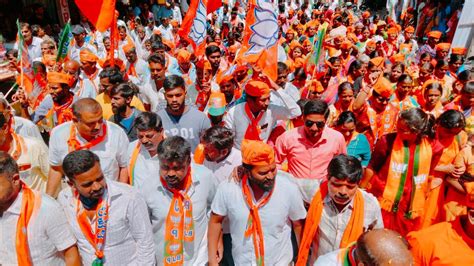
x=30, y=203
x=179, y=225
x=254, y=225
x=353, y=229
x=253, y=129
x=74, y=144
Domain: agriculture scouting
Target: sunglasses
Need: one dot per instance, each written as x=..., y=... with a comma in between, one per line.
x=383, y=99
x=319, y=124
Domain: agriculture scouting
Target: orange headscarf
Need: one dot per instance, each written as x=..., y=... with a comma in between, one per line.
x=88, y=56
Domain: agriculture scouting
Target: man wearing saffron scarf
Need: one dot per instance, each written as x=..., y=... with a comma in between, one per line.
x=90, y=71
x=136, y=68
x=55, y=109
x=88, y=131
x=447, y=243
x=259, y=208
x=339, y=211
x=374, y=247
x=178, y=201
x=109, y=219
x=255, y=118
x=143, y=152
x=34, y=231
x=82, y=88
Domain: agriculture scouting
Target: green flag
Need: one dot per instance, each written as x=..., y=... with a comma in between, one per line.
x=64, y=42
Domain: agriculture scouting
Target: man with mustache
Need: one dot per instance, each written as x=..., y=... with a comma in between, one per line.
x=447, y=243
x=178, y=202
x=34, y=231
x=124, y=113
x=123, y=234
x=180, y=119
x=143, y=152
x=339, y=212
x=88, y=131
x=259, y=208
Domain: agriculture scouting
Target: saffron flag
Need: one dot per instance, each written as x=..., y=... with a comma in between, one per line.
x=26, y=77
x=213, y=5
x=64, y=41
x=98, y=12
x=194, y=26
x=260, y=45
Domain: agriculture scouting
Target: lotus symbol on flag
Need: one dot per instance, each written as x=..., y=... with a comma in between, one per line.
x=264, y=30
x=198, y=30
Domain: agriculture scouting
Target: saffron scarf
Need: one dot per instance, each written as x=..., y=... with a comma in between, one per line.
x=63, y=112
x=397, y=176
x=133, y=161
x=30, y=203
x=74, y=144
x=353, y=229
x=97, y=240
x=20, y=148
x=254, y=225
x=253, y=129
x=179, y=225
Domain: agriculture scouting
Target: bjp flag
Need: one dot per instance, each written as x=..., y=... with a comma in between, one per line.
x=193, y=29
x=98, y=12
x=260, y=44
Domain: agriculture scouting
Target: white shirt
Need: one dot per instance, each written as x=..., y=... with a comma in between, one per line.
x=142, y=71
x=48, y=233
x=285, y=204
x=223, y=169
x=236, y=119
x=75, y=50
x=153, y=96
x=290, y=89
x=34, y=49
x=177, y=15
x=111, y=150
x=26, y=128
x=166, y=33
x=128, y=237
x=146, y=167
x=36, y=157
x=201, y=192
x=84, y=88
x=331, y=258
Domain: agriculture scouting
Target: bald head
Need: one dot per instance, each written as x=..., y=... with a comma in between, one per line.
x=71, y=67
x=85, y=105
x=383, y=247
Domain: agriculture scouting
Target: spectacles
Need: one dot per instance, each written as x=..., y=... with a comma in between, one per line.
x=319, y=124
x=383, y=99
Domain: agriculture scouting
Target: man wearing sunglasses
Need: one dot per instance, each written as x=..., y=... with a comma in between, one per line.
x=308, y=149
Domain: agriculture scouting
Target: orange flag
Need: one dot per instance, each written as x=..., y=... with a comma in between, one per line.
x=98, y=12
x=193, y=29
x=260, y=45
x=213, y=5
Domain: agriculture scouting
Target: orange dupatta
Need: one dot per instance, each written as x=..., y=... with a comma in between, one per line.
x=63, y=112
x=133, y=161
x=74, y=144
x=97, y=240
x=253, y=129
x=179, y=225
x=30, y=203
x=353, y=230
x=254, y=225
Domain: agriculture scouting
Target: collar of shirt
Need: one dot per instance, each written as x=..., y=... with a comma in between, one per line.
x=15, y=208
x=191, y=191
x=321, y=141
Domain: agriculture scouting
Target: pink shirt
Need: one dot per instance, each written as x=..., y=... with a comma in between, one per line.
x=305, y=159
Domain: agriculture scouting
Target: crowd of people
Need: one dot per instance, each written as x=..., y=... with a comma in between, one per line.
x=147, y=152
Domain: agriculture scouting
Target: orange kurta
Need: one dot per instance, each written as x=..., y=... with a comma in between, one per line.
x=442, y=244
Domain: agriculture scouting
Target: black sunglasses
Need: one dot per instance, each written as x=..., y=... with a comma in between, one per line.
x=319, y=124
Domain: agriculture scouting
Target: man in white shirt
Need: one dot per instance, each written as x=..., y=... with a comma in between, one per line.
x=79, y=42
x=153, y=94
x=339, y=212
x=21, y=126
x=89, y=68
x=262, y=198
x=142, y=153
x=88, y=130
x=220, y=155
x=166, y=29
x=182, y=191
x=32, y=225
x=82, y=88
x=255, y=118
x=288, y=87
x=136, y=68
x=109, y=219
x=30, y=154
x=32, y=43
